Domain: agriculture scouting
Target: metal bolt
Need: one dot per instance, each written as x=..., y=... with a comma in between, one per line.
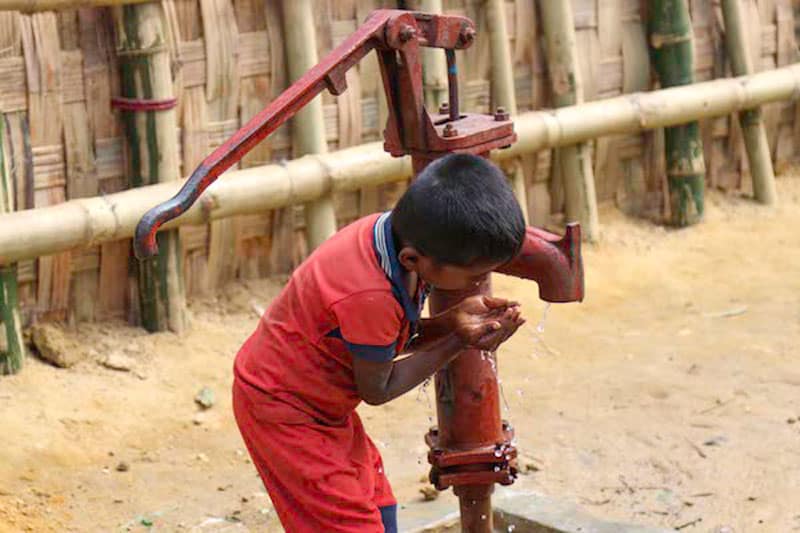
x=450, y=131
x=444, y=108
x=501, y=114
x=467, y=35
x=406, y=33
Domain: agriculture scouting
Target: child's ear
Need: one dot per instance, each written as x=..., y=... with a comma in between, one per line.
x=409, y=258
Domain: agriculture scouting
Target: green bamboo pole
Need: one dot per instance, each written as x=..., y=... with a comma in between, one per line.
x=434, y=65
x=503, y=93
x=670, y=30
x=12, y=345
x=754, y=133
x=308, y=125
x=152, y=153
x=87, y=222
x=575, y=161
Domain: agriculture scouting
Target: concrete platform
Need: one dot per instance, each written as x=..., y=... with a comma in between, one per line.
x=520, y=512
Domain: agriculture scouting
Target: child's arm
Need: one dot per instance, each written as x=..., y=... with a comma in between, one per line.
x=431, y=330
x=473, y=322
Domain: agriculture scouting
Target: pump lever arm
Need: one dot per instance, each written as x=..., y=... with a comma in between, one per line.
x=328, y=74
x=387, y=29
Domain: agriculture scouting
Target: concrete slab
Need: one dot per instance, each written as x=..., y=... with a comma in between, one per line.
x=517, y=511
x=530, y=512
x=429, y=517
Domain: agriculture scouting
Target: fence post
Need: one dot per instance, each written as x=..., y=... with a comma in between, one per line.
x=434, y=65
x=12, y=345
x=503, y=94
x=670, y=30
x=152, y=141
x=755, y=136
x=565, y=79
x=308, y=125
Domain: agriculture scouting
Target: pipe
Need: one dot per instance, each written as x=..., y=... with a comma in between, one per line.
x=553, y=262
x=755, y=136
x=86, y=222
x=468, y=411
x=33, y=6
x=635, y=112
x=90, y=221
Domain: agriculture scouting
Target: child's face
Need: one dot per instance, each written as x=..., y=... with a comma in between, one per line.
x=444, y=276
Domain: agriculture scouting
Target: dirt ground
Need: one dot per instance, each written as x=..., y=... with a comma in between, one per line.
x=671, y=396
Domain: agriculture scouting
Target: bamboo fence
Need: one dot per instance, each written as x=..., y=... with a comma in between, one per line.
x=59, y=71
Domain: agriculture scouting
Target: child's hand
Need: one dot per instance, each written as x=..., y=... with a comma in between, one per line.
x=483, y=321
x=510, y=323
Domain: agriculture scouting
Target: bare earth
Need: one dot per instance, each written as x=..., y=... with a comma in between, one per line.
x=671, y=396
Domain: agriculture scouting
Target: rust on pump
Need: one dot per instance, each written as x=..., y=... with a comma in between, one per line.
x=471, y=449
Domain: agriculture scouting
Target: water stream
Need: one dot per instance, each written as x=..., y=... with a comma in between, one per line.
x=423, y=391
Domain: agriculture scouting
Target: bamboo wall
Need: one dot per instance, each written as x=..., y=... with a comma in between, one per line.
x=58, y=72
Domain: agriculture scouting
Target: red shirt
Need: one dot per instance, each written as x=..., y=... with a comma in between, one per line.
x=347, y=299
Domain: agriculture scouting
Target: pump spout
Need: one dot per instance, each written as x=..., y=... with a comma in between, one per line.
x=553, y=262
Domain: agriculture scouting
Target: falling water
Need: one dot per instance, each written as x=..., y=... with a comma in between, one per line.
x=537, y=337
x=540, y=325
x=487, y=356
x=423, y=391
x=506, y=408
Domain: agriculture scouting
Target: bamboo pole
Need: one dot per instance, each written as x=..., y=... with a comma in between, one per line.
x=565, y=79
x=308, y=125
x=33, y=6
x=12, y=345
x=87, y=222
x=754, y=133
x=152, y=153
x=434, y=65
x=503, y=93
x=671, y=35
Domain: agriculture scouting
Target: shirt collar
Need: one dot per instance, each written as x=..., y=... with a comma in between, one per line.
x=386, y=253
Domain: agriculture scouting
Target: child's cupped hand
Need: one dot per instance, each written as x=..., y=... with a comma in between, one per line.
x=485, y=322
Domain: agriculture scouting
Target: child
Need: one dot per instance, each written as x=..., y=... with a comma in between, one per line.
x=330, y=339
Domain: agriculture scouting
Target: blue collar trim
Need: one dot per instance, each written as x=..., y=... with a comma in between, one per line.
x=386, y=253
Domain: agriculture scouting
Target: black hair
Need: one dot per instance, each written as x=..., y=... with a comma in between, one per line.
x=460, y=210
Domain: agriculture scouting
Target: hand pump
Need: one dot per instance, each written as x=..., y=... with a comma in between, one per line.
x=471, y=448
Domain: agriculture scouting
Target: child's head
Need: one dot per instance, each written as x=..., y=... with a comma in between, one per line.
x=458, y=221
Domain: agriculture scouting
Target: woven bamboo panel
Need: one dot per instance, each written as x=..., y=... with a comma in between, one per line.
x=58, y=72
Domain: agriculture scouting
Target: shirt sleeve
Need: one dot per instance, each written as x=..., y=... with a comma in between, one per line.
x=369, y=324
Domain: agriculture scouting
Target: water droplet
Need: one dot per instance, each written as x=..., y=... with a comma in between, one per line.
x=483, y=517
x=496, y=468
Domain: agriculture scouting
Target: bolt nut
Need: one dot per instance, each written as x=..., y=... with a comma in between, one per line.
x=450, y=131
x=501, y=114
x=406, y=33
x=444, y=108
x=467, y=35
